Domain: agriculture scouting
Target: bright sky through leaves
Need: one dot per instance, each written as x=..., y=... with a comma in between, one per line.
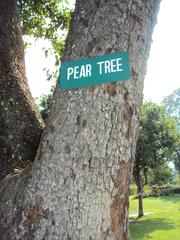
x=163, y=65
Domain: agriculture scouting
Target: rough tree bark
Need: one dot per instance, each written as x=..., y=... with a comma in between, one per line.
x=77, y=187
x=20, y=125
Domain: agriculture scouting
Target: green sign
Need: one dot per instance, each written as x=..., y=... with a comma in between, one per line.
x=93, y=71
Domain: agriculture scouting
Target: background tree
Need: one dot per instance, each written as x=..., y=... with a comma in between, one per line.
x=157, y=142
x=77, y=187
x=172, y=105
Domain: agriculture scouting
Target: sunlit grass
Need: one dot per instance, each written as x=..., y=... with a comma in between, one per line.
x=162, y=224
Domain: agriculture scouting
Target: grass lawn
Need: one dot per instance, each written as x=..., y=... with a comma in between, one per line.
x=162, y=224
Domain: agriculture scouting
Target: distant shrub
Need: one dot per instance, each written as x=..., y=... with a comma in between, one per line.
x=155, y=191
x=164, y=190
x=147, y=191
x=132, y=189
x=176, y=190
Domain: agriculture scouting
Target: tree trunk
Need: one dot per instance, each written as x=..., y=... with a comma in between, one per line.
x=140, y=203
x=145, y=175
x=137, y=177
x=20, y=124
x=78, y=185
x=140, y=199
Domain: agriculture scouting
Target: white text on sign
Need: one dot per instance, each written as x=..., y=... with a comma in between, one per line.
x=104, y=67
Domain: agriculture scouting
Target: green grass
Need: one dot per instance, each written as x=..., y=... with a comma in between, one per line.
x=162, y=224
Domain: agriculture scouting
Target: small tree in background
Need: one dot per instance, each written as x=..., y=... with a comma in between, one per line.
x=157, y=142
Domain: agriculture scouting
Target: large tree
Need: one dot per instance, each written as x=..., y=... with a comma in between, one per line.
x=20, y=124
x=77, y=187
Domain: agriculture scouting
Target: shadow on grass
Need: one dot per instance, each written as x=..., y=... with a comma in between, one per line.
x=141, y=229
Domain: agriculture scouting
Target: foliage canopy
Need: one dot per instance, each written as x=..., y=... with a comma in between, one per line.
x=172, y=104
x=45, y=19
